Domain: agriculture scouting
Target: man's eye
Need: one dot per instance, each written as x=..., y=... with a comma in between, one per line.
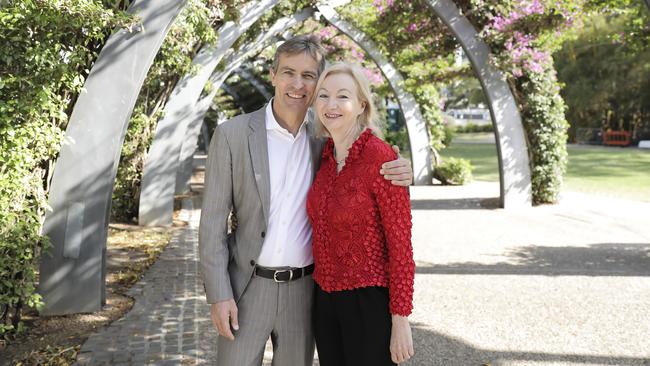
x=309, y=76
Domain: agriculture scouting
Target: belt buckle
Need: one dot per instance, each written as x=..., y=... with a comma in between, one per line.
x=275, y=275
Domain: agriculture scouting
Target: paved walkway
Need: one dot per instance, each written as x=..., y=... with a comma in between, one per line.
x=566, y=284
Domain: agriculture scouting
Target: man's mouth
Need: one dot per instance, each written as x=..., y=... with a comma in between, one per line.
x=295, y=96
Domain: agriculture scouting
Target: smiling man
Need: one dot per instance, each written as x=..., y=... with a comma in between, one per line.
x=260, y=167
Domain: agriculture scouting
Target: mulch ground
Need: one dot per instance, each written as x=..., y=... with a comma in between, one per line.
x=56, y=340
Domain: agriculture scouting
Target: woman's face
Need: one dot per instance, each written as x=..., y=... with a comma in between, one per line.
x=337, y=103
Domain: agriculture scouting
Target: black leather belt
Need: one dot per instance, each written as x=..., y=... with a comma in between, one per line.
x=284, y=275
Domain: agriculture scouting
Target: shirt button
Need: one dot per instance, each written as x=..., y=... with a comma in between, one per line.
x=263, y=233
x=252, y=262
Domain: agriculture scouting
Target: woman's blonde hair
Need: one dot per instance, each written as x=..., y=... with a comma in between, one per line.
x=367, y=119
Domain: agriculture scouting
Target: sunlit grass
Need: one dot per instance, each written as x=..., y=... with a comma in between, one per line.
x=612, y=171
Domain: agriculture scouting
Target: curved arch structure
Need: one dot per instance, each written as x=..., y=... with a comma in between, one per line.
x=512, y=151
x=72, y=279
x=163, y=165
x=195, y=128
x=421, y=153
x=422, y=164
x=255, y=82
x=159, y=175
x=185, y=168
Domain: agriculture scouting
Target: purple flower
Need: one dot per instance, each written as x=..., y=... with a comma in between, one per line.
x=357, y=55
x=412, y=27
x=374, y=77
x=534, y=8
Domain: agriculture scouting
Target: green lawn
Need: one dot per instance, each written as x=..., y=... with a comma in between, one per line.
x=613, y=171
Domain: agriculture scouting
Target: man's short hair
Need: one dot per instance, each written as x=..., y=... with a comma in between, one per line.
x=305, y=43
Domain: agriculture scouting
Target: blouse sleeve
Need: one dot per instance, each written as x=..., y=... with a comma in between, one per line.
x=395, y=211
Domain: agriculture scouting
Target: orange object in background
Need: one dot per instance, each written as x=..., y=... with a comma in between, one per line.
x=617, y=138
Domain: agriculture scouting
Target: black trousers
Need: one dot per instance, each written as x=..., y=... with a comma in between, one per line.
x=352, y=328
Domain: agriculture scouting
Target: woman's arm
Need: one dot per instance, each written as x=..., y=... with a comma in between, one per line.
x=395, y=210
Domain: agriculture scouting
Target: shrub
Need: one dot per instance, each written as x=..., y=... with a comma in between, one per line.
x=454, y=171
x=449, y=134
x=474, y=128
x=47, y=48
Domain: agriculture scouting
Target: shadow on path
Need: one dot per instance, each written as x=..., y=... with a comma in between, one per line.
x=607, y=259
x=471, y=203
x=436, y=349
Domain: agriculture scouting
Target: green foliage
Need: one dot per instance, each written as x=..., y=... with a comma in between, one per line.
x=449, y=133
x=47, y=49
x=606, y=75
x=474, y=128
x=521, y=34
x=546, y=132
x=454, y=171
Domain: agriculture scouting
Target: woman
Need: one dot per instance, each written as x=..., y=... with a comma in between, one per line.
x=361, y=233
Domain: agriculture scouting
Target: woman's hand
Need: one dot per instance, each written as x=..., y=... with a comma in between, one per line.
x=401, y=340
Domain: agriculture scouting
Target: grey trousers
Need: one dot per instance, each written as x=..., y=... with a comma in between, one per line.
x=280, y=310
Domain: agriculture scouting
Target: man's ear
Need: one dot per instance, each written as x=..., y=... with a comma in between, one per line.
x=272, y=74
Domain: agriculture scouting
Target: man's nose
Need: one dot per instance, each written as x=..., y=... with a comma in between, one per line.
x=298, y=82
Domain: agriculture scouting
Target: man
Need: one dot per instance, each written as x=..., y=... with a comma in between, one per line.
x=260, y=167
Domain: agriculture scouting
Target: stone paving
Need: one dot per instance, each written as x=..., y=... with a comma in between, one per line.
x=558, y=285
x=169, y=323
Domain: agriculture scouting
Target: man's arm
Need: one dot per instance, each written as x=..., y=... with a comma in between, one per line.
x=213, y=230
x=398, y=171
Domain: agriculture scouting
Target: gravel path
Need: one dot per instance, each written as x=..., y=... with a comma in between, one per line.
x=566, y=284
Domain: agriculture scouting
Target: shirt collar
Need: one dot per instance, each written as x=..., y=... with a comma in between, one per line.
x=272, y=123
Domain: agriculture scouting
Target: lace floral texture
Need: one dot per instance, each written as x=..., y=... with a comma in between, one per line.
x=362, y=224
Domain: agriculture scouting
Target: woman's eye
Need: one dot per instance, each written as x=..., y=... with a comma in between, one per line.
x=322, y=95
x=343, y=96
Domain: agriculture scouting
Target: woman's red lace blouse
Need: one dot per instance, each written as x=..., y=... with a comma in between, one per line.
x=362, y=224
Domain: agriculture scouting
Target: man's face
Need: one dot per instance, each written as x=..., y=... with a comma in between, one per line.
x=294, y=82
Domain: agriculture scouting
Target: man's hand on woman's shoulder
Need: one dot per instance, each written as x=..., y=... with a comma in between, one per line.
x=398, y=171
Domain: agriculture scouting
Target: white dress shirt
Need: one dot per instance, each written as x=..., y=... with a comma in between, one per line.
x=288, y=236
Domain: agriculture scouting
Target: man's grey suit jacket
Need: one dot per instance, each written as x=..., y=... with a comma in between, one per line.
x=237, y=179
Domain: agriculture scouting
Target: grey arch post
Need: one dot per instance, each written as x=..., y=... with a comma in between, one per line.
x=421, y=153
x=159, y=175
x=512, y=151
x=164, y=166
x=185, y=168
x=255, y=82
x=218, y=80
x=72, y=280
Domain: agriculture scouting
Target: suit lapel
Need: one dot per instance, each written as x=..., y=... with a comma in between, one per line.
x=258, y=147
